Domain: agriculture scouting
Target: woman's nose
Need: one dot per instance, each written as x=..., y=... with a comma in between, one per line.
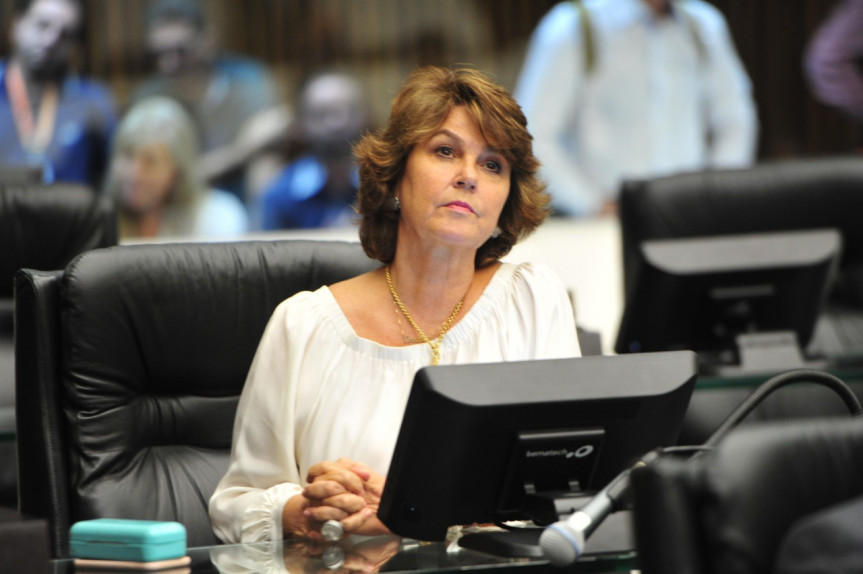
x=467, y=177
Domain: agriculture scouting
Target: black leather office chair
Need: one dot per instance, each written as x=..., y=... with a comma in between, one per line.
x=134, y=358
x=728, y=511
x=41, y=227
x=782, y=195
x=21, y=174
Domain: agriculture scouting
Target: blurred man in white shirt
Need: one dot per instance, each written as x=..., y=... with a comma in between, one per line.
x=620, y=89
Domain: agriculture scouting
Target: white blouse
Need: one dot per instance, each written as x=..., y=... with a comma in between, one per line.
x=317, y=392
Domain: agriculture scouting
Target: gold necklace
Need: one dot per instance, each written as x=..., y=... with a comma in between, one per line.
x=405, y=338
x=435, y=343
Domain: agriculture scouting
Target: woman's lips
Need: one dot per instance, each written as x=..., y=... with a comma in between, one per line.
x=460, y=206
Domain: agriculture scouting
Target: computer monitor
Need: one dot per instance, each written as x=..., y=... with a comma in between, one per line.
x=744, y=303
x=496, y=442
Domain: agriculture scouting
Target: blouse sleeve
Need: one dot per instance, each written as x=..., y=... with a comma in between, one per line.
x=262, y=476
x=542, y=299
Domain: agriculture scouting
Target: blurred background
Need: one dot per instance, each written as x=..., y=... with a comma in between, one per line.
x=381, y=40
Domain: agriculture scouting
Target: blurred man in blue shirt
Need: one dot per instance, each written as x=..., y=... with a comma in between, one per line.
x=50, y=117
x=233, y=99
x=318, y=187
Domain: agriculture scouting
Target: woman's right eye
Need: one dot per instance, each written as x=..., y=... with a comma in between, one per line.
x=445, y=151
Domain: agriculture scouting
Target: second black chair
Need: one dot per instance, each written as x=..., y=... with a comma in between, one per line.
x=730, y=510
x=41, y=227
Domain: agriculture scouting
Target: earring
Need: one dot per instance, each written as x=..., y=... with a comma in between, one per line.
x=396, y=204
x=496, y=233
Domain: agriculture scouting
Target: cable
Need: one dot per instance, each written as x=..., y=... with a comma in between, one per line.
x=780, y=380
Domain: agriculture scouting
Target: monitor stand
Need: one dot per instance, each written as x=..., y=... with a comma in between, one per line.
x=769, y=352
x=613, y=536
x=515, y=543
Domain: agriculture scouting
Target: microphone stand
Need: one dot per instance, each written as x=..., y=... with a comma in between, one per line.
x=563, y=542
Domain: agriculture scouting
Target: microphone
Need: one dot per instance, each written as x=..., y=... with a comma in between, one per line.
x=563, y=542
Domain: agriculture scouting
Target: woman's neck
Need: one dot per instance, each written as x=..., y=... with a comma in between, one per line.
x=659, y=7
x=431, y=285
x=147, y=224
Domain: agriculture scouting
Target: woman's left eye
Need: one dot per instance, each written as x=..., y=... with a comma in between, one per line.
x=492, y=165
x=445, y=151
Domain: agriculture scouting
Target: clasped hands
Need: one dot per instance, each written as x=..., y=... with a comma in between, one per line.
x=346, y=491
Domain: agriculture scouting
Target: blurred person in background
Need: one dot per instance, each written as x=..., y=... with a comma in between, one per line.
x=233, y=99
x=834, y=59
x=618, y=89
x=50, y=117
x=155, y=177
x=317, y=189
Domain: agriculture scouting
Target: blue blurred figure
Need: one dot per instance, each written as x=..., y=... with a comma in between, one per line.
x=233, y=99
x=317, y=189
x=50, y=117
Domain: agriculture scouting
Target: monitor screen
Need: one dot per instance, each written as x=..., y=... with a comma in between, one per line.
x=712, y=295
x=495, y=442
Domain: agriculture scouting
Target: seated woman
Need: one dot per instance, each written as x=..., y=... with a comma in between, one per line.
x=446, y=189
x=155, y=178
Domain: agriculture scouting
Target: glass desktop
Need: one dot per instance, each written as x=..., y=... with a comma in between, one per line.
x=368, y=554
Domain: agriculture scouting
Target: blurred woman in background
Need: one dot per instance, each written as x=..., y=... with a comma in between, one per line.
x=155, y=177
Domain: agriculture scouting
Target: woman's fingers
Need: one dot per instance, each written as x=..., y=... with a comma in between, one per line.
x=335, y=472
x=323, y=489
x=361, y=470
x=357, y=519
x=323, y=513
x=349, y=503
x=347, y=491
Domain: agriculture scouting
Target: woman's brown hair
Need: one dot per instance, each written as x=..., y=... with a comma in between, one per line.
x=426, y=98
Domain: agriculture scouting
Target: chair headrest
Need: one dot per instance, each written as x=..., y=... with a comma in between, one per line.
x=45, y=226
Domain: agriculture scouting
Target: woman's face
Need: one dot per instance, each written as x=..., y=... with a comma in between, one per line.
x=145, y=176
x=454, y=186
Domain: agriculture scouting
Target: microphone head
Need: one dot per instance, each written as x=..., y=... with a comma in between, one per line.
x=561, y=545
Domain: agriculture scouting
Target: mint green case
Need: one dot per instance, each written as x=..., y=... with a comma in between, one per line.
x=123, y=539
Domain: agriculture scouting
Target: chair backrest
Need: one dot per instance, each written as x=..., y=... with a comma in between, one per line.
x=46, y=226
x=134, y=358
x=729, y=510
x=21, y=174
x=41, y=227
x=782, y=195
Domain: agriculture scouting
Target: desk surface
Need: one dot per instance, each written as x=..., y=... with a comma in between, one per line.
x=378, y=554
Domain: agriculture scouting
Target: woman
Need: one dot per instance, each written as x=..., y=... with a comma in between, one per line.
x=446, y=189
x=154, y=176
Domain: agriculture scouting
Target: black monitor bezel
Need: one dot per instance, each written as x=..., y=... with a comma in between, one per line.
x=667, y=307
x=453, y=456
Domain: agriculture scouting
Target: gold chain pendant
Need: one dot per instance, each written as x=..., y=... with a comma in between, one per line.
x=434, y=344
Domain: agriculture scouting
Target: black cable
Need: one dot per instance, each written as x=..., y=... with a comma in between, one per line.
x=780, y=380
x=684, y=449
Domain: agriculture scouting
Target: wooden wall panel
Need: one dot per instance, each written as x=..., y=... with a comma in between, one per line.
x=381, y=40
